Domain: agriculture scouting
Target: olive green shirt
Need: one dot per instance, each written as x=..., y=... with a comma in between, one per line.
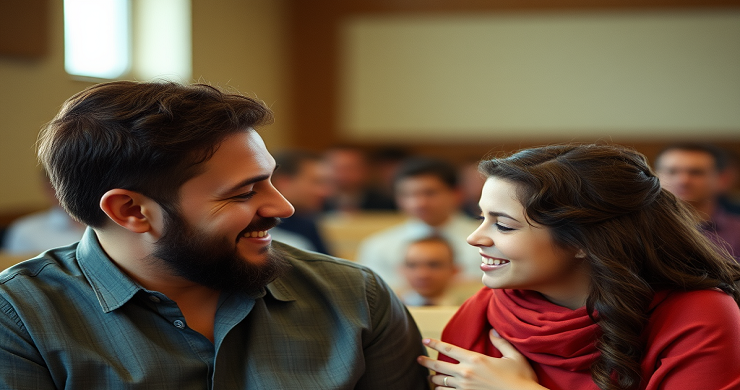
x=70, y=319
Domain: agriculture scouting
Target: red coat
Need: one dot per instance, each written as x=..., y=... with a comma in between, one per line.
x=693, y=338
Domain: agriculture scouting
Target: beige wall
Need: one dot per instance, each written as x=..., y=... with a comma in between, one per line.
x=547, y=76
x=236, y=43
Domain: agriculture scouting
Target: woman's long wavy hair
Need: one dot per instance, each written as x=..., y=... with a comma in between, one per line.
x=638, y=238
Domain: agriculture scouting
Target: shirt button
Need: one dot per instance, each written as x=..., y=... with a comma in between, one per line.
x=179, y=324
x=154, y=299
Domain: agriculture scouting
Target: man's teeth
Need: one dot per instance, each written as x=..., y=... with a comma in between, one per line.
x=260, y=233
x=490, y=261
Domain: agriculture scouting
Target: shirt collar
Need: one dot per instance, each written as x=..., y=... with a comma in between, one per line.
x=280, y=287
x=280, y=291
x=112, y=287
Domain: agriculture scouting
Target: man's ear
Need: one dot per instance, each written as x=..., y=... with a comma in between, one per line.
x=131, y=210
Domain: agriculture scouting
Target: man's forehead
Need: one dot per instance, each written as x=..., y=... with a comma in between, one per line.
x=685, y=158
x=239, y=157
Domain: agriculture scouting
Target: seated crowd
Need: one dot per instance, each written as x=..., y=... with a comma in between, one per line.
x=205, y=257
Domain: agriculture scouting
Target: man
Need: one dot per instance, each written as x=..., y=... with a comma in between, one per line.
x=350, y=178
x=302, y=178
x=176, y=283
x=427, y=191
x=692, y=172
x=429, y=268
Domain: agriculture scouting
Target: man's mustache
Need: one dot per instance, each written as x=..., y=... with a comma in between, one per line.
x=261, y=224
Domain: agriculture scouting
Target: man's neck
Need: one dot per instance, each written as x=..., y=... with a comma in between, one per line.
x=132, y=254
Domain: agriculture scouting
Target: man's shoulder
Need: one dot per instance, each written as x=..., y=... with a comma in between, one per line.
x=309, y=261
x=315, y=274
x=56, y=261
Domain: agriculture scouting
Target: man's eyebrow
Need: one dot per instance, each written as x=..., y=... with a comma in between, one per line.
x=500, y=214
x=249, y=181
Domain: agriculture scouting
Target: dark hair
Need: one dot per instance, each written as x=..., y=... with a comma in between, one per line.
x=435, y=238
x=421, y=166
x=638, y=238
x=144, y=137
x=289, y=161
x=720, y=156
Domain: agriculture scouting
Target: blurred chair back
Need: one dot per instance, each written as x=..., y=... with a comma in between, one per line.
x=344, y=231
x=431, y=320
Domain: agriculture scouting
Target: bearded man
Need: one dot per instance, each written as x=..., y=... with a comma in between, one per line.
x=176, y=282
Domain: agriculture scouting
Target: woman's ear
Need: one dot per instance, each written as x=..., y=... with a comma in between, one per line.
x=131, y=210
x=580, y=254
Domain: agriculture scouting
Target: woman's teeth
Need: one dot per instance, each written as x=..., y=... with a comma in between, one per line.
x=489, y=261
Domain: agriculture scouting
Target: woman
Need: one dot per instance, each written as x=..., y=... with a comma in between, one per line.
x=597, y=279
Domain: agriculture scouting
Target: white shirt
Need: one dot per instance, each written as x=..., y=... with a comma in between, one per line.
x=383, y=252
x=37, y=232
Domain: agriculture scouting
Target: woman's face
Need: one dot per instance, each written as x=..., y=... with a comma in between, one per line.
x=518, y=255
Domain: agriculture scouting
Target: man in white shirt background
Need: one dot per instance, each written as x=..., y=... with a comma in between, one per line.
x=426, y=190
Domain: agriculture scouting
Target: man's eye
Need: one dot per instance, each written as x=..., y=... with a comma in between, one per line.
x=244, y=196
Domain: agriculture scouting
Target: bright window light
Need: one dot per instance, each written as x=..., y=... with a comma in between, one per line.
x=96, y=38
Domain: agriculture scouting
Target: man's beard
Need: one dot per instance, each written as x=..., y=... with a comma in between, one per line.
x=214, y=261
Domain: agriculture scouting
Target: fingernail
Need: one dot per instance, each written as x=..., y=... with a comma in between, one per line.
x=493, y=332
x=425, y=341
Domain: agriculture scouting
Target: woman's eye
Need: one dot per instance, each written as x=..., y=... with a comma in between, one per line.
x=503, y=228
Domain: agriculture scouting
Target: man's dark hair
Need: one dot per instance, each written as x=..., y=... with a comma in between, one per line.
x=422, y=166
x=719, y=155
x=144, y=137
x=289, y=161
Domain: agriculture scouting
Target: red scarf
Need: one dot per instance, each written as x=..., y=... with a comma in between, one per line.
x=559, y=342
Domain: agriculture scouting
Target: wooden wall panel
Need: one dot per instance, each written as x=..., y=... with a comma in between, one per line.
x=24, y=28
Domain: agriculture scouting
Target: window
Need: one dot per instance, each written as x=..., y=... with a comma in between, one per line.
x=139, y=39
x=97, y=38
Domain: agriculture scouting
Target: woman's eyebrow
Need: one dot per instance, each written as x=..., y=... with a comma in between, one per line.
x=501, y=214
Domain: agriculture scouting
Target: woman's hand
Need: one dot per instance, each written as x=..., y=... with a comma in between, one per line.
x=480, y=372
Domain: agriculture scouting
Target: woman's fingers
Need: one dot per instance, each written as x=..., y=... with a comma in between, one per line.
x=436, y=365
x=450, y=350
x=443, y=381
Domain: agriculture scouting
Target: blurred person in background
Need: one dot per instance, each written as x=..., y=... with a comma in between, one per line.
x=429, y=267
x=729, y=197
x=693, y=172
x=351, y=182
x=384, y=163
x=471, y=185
x=302, y=178
x=46, y=229
x=427, y=192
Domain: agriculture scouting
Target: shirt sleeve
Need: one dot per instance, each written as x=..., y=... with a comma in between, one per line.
x=23, y=366
x=694, y=343
x=392, y=345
